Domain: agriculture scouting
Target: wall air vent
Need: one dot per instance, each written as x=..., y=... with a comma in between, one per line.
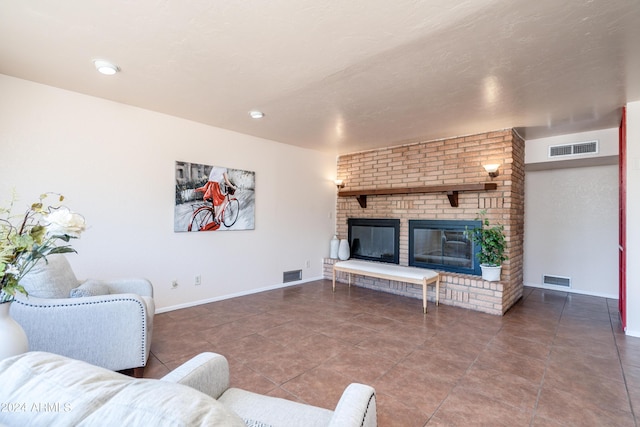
x=291, y=276
x=556, y=280
x=588, y=147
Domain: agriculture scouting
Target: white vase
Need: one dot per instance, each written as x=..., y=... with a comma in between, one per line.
x=13, y=340
x=335, y=243
x=343, y=250
x=491, y=273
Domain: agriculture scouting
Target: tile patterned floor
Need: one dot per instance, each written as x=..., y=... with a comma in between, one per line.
x=555, y=359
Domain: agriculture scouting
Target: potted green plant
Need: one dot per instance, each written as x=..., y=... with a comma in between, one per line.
x=493, y=243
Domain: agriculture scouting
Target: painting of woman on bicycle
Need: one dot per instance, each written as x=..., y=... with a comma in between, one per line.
x=212, y=198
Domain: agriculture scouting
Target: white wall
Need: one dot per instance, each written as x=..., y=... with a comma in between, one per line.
x=571, y=228
x=116, y=163
x=571, y=217
x=537, y=150
x=633, y=213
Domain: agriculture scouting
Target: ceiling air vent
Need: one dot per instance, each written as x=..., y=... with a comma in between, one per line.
x=556, y=280
x=589, y=147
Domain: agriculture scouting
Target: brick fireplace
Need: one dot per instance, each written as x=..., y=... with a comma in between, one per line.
x=450, y=161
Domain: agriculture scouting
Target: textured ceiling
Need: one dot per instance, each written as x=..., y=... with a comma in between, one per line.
x=341, y=76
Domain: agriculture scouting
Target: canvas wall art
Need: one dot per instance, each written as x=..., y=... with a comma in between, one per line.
x=213, y=198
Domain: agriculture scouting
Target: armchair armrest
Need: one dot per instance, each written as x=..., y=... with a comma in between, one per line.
x=206, y=372
x=112, y=331
x=357, y=407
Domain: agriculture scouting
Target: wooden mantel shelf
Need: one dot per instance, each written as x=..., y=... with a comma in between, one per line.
x=451, y=190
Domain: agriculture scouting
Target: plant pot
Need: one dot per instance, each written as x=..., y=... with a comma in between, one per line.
x=491, y=273
x=13, y=340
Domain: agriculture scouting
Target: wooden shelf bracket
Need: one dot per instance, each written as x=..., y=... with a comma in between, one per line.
x=453, y=198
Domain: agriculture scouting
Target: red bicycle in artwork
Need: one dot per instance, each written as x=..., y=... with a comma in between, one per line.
x=204, y=217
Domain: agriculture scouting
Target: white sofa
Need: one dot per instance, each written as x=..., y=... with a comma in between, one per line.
x=107, y=323
x=41, y=389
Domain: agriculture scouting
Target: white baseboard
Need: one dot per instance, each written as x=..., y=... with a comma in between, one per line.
x=631, y=333
x=572, y=291
x=238, y=294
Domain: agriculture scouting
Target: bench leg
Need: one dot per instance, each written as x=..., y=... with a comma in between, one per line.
x=424, y=297
x=334, y=280
x=438, y=290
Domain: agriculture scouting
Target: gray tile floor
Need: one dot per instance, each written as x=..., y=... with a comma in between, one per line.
x=555, y=359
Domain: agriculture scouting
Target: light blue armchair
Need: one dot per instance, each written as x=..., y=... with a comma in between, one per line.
x=107, y=323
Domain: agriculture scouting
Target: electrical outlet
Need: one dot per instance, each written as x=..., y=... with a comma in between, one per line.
x=198, y=280
x=174, y=284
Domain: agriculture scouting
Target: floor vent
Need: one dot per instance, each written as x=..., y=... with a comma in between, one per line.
x=291, y=276
x=556, y=280
x=589, y=147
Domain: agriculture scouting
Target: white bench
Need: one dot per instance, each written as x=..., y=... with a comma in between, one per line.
x=400, y=273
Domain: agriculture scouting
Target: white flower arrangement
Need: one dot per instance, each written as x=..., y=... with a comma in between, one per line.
x=27, y=239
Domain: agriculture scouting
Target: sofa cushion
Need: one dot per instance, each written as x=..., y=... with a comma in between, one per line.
x=52, y=278
x=54, y=390
x=254, y=423
x=274, y=411
x=90, y=288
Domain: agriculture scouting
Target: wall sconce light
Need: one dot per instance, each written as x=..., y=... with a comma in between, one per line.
x=339, y=183
x=492, y=170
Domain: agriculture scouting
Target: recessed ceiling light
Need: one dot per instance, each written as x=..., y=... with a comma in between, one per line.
x=256, y=114
x=106, y=67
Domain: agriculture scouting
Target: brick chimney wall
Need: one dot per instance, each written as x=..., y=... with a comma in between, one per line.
x=448, y=161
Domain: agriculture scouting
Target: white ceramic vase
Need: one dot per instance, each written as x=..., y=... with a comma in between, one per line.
x=13, y=340
x=343, y=250
x=335, y=243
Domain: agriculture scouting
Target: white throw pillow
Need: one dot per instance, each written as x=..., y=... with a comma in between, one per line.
x=90, y=288
x=52, y=278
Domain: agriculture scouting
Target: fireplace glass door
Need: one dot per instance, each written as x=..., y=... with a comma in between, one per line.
x=443, y=245
x=375, y=239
